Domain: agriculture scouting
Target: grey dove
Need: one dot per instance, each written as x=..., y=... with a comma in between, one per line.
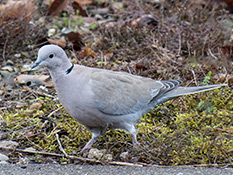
x=103, y=99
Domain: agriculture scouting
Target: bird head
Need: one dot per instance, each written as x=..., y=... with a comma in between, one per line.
x=50, y=56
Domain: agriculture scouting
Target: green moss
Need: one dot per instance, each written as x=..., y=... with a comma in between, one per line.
x=179, y=132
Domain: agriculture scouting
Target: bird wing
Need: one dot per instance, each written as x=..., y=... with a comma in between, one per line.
x=118, y=93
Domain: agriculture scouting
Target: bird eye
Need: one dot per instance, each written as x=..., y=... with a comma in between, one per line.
x=51, y=55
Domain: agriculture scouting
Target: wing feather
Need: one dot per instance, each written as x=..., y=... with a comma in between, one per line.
x=119, y=93
x=122, y=93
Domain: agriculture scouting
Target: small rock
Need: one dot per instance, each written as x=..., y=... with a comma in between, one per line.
x=28, y=112
x=1, y=92
x=4, y=162
x=95, y=154
x=9, y=144
x=3, y=157
x=8, y=68
x=23, y=161
x=124, y=155
x=107, y=157
x=20, y=105
x=36, y=105
x=43, y=88
x=9, y=62
x=25, y=54
x=31, y=46
x=51, y=32
x=17, y=55
x=26, y=68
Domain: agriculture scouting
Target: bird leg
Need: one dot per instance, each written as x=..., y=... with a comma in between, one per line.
x=90, y=142
x=134, y=139
x=133, y=132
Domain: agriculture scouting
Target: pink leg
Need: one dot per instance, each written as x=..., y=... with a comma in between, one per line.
x=90, y=142
x=134, y=139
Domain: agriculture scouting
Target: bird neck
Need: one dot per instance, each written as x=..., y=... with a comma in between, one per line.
x=70, y=69
x=61, y=70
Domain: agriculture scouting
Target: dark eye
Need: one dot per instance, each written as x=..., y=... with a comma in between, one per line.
x=51, y=55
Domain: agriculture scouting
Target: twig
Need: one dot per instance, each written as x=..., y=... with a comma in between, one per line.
x=56, y=110
x=180, y=42
x=194, y=76
x=4, y=50
x=32, y=152
x=43, y=94
x=210, y=52
x=73, y=157
x=125, y=164
x=60, y=146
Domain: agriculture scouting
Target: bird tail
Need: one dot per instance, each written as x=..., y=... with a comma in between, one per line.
x=191, y=90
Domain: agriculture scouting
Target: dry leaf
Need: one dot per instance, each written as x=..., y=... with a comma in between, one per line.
x=108, y=54
x=76, y=39
x=83, y=2
x=29, y=79
x=76, y=6
x=60, y=42
x=86, y=52
x=57, y=7
x=17, y=9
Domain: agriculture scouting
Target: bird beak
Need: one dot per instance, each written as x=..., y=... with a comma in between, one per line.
x=35, y=64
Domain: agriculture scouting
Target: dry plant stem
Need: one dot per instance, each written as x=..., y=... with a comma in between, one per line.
x=4, y=50
x=42, y=94
x=54, y=111
x=60, y=146
x=34, y=143
x=194, y=77
x=105, y=163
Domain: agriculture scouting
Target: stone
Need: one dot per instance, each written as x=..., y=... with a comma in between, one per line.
x=95, y=154
x=3, y=157
x=124, y=155
x=9, y=144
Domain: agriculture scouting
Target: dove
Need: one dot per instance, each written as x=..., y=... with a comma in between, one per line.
x=103, y=99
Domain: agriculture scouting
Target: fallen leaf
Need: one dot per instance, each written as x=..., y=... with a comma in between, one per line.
x=16, y=10
x=57, y=7
x=76, y=6
x=86, y=52
x=83, y=2
x=76, y=39
x=60, y=42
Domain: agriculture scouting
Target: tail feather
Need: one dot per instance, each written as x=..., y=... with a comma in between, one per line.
x=179, y=91
x=192, y=90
